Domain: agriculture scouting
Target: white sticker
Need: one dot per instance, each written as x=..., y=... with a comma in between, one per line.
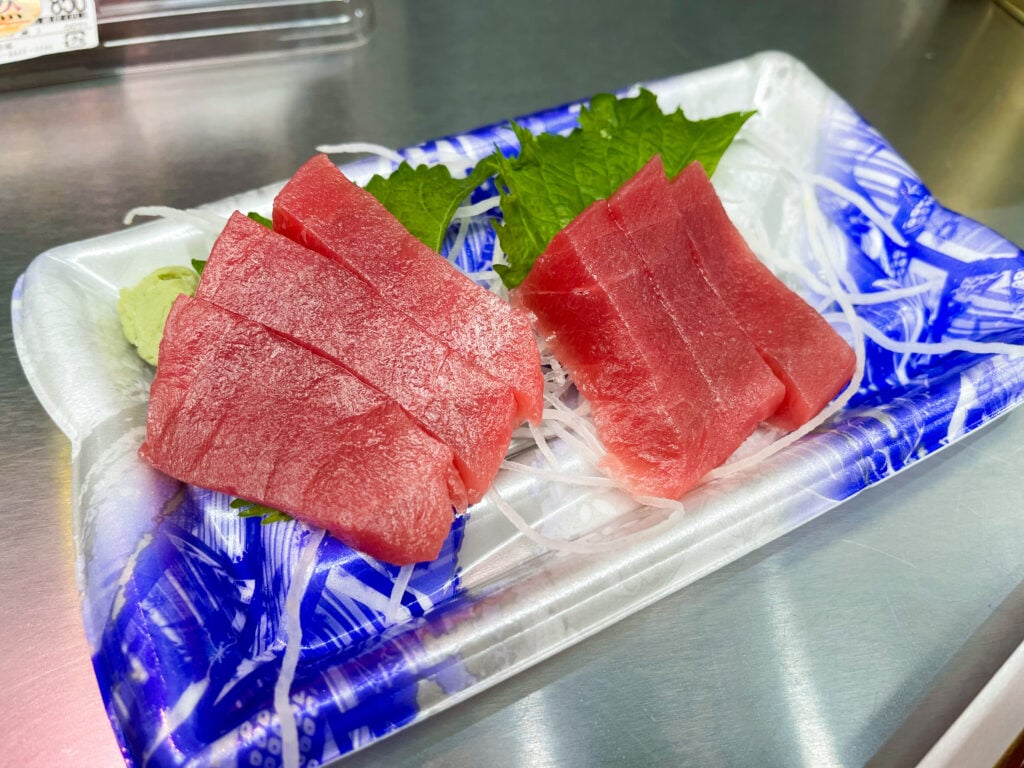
x=30, y=28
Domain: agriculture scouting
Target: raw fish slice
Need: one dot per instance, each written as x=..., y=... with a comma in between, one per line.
x=802, y=349
x=746, y=392
x=321, y=209
x=596, y=307
x=323, y=306
x=237, y=408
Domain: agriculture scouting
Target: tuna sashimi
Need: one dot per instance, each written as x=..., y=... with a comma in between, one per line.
x=321, y=209
x=746, y=392
x=802, y=349
x=323, y=306
x=237, y=408
x=598, y=310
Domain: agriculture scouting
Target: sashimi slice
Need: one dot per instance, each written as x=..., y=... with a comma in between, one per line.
x=597, y=308
x=746, y=392
x=321, y=209
x=323, y=306
x=237, y=408
x=798, y=344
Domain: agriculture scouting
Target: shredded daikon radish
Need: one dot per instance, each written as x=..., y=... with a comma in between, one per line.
x=397, y=593
x=361, y=148
x=542, y=446
x=206, y=222
x=564, y=545
x=459, y=243
x=886, y=295
x=497, y=253
x=290, y=757
x=494, y=282
x=474, y=210
x=863, y=205
x=557, y=476
x=487, y=275
x=586, y=439
x=557, y=371
x=555, y=390
x=944, y=347
x=581, y=438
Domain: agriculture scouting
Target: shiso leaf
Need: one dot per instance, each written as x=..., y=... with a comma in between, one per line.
x=425, y=197
x=555, y=177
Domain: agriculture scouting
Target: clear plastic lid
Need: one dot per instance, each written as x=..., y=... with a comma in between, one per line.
x=141, y=33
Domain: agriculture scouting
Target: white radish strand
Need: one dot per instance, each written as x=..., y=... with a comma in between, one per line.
x=397, y=593
x=543, y=447
x=459, y=243
x=206, y=222
x=301, y=575
x=361, y=148
x=475, y=209
x=863, y=205
x=944, y=347
x=557, y=476
x=579, y=436
x=886, y=295
x=571, y=546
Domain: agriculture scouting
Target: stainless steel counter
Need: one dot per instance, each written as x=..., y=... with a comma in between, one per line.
x=857, y=639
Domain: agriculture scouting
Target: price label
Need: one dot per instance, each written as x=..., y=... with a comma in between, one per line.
x=30, y=28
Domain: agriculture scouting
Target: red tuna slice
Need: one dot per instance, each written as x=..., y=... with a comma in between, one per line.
x=802, y=349
x=598, y=309
x=746, y=392
x=321, y=209
x=237, y=408
x=318, y=303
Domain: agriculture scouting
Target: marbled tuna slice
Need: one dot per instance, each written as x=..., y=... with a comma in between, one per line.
x=321, y=209
x=746, y=392
x=237, y=408
x=802, y=349
x=323, y=306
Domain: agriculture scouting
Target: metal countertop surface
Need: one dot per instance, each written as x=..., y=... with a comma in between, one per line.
x=855, y=640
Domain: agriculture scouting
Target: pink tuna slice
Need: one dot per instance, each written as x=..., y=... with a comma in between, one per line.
x=598, y=309
x=326, y=308
x=802, y=349
x=237, y=408
x=321, y=209
x=746, y=392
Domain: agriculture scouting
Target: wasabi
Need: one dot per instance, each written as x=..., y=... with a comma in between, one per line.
x=143, y=308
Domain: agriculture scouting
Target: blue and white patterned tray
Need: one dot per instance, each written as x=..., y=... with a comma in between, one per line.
x=189, y=609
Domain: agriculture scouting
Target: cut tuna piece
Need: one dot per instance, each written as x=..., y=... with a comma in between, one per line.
x=802, y=349
x=237, y=408
x=746, y=392
x=328, y=309
x=598, y=309
x=321, y=209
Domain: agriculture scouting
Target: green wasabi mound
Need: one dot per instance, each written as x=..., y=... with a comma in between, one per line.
x=143, y=308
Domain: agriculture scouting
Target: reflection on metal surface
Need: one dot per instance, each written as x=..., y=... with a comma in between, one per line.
x=1013, y=7
x=807, y=722
x=960, y=93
